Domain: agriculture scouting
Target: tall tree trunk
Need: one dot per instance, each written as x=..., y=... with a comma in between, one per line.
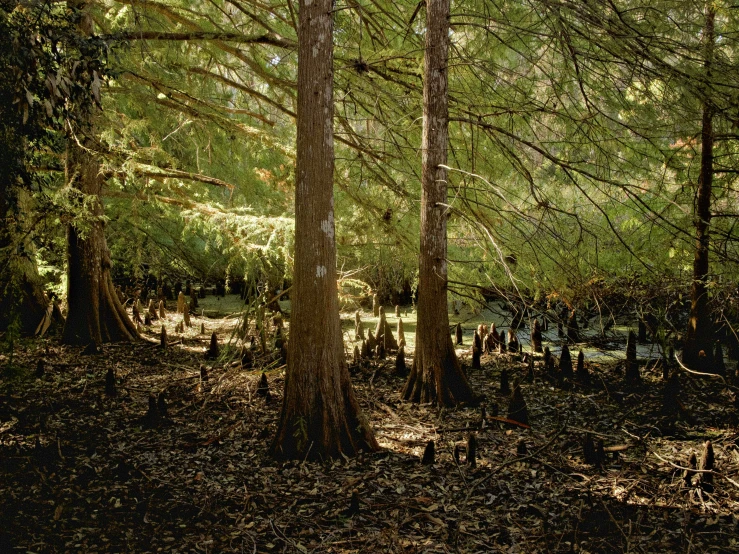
x=320, y=415
x=699, y=336
x=95, y=312
x=22, y=302
x=436, y=375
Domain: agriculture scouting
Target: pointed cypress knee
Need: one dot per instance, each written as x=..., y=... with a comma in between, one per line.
x=263, y=387
x=565, y=363
x=400, y=366
x=505, y=388
x=513, y=344
x=583, y=375
x=110, y=382
x=632, y=367
x=400, y=333
x=163, y=337
x=458, y=334
x=428, y=454
x=690, y=471
x=151, y=419
x=536, y=336
x=472, y=450
x=573, y=329
x=476, y=358
x=530, y=370
x=707, y=463
x=670, y=396
x=517, y=410
x=213, y=350
x=162, y=405
x=371, y=341
x=357, y=358
x=502, y=346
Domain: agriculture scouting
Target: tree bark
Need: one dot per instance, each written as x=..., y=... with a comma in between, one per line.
x=95, y=312
x=699, y=336
x=320, y=415
x=436, y=375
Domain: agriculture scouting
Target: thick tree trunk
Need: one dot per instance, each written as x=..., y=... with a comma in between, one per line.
x=699, y=336
x=22, y=302
x=320, y=415
x=436, y=375
x=95, y=312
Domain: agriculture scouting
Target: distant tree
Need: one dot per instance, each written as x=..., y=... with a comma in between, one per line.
x=320, y=415
x=436, y=375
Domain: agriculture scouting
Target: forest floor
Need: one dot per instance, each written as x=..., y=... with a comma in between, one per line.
x=82, y=471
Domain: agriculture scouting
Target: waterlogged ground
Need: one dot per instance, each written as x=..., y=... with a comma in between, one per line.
x=83, y=471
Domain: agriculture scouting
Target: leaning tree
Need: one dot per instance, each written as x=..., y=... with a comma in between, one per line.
x=320, y=415
x=436, y=375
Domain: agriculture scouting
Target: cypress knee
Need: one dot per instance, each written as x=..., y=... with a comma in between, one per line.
x=213, y=350
x=565, y=363
x=632, y=367
x=517, y=410
x=536, y=336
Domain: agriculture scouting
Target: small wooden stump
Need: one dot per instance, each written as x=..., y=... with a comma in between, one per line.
x=162, y=310
x=517, y=409
x=708, y=461
x=213, y=350
x=181, y=302
x=428, y=454
x=110, y=389
x=582, y=373
x=513, y=344
x=458, y=334
x=565, y=363
x=536, y=336
x=163, y=337
x=632, y=367
x=690, y=471
x=263, y=387
x=476, y=357
x=400, y=367
x=162, y=405
x=573, y=329
x=471, y=458
x=505, y=388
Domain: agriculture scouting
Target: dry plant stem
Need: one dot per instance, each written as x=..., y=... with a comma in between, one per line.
x=699, y=373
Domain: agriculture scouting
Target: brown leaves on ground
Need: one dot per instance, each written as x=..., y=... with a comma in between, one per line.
x=82, y=471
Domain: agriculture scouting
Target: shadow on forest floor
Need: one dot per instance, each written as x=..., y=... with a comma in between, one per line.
x=84, y=472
